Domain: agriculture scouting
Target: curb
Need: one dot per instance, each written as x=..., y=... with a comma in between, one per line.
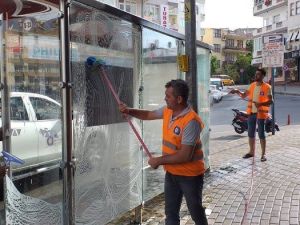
x=286, y=93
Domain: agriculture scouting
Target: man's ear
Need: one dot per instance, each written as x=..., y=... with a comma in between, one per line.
x=179, y=99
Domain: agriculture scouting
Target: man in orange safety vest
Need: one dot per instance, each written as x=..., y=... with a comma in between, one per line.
x=260, y=99
x=182, y=155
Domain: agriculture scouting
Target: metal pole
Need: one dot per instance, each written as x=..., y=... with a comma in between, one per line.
x=190, y=49
x=298, y=69
x=273, y=105
x=67, y=158
x=285, y=80
x=5, y=91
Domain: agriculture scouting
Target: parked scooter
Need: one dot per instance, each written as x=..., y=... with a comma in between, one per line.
x=240, y=122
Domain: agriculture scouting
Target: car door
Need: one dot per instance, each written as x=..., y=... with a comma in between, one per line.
x=48, y=123
x=24, y=140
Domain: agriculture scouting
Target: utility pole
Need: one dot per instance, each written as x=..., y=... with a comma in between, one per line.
x=191, y=50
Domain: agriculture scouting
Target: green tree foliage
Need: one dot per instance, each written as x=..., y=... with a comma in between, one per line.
x=231, y=70
x=213, y=65
x=249, y=45
x=243, y=63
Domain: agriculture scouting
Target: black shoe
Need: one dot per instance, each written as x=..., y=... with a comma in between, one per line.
x=263, y=158
x=248, y=155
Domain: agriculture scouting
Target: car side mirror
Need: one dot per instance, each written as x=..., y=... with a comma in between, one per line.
x=220, y=88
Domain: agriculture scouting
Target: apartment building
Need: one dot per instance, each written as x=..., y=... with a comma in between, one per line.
x=275, y=21
x=292, y=54
x=168, y=13
x=227, y=44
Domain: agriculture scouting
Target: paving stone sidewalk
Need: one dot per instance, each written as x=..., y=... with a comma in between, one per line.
x=276, y=189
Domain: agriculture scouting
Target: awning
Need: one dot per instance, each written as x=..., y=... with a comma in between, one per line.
x=297, y=36
x=290, y=38
x=29, y=8
x=294, y=36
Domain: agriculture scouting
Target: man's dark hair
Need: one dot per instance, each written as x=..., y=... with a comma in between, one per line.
x=263, y=72
x=180, y=88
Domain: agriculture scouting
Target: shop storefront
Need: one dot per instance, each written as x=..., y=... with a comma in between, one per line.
x=292, y=60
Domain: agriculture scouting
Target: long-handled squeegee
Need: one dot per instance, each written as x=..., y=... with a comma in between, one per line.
x=94, y=62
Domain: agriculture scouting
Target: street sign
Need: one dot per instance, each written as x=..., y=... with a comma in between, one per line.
x=273, y=50
x=285, y=68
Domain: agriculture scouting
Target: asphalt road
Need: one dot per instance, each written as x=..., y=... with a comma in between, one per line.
x=222, y=115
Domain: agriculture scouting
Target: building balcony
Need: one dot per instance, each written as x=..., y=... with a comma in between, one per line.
x=235, y=49
x=260, y=7
x=273, y=28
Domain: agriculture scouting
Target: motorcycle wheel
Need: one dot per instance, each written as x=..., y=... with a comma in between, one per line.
x=239, y=130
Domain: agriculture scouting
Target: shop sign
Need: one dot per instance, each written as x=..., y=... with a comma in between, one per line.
x=22, y=24
x=256, y=61
x=27, y=25
x=164, y=15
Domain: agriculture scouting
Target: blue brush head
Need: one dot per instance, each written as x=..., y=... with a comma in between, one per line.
x=93, y=61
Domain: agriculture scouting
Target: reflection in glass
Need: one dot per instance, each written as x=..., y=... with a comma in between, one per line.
x=159, y=67
x=108, y=177
x=203, y=76
x=32, y=70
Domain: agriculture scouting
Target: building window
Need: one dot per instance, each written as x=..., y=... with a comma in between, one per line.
x=298, y=8
x=292, y=9
x=151, y=12
x=258, y=2
x=229, y=43
x=128, y=6
x=217, y=47
x=276, y=19
x=240, y=44
x=257, y=44
x=229, y=58
x=217, y=33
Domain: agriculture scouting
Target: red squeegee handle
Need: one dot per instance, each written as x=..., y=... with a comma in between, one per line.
x=127, y=118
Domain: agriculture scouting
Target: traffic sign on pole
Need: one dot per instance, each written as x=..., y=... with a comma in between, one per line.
x=273, y=50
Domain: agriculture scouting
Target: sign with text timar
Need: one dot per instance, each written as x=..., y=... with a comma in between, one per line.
x=273, y=50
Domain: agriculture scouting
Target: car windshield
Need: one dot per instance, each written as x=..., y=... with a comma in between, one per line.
x=215, y=82
x=44, y=109
x=17, y=109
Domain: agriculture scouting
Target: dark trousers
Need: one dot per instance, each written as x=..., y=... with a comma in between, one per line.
x=191, y=188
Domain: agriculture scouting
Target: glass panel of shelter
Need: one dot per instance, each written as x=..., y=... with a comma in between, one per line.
x=203, y=67
x=159, y=66
x=108, y=177
x=31, y=70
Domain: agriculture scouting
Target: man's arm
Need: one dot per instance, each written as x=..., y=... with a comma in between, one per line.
x=190, y=136
x=139, y=113
x=241, y=94
x=267, y=103
x=185, y=154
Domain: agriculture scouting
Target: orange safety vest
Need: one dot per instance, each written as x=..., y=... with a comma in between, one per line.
x=172, y=137
x=262, y=111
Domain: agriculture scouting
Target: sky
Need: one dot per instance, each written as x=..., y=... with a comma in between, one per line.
x=230, y=14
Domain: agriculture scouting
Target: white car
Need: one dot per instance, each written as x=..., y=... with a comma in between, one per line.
x=216, y=94
x=35, y=129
